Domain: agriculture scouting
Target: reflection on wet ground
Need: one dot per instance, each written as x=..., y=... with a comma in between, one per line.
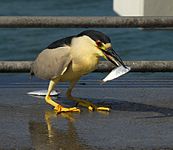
x=45, y=135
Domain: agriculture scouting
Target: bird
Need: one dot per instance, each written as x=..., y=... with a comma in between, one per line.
x=68, y=59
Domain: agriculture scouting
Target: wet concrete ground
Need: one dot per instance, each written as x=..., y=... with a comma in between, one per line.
x=141, y=116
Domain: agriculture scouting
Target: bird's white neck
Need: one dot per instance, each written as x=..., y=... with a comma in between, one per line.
x=85, y=54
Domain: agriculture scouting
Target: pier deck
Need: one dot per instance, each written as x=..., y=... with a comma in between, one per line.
x=141, y=115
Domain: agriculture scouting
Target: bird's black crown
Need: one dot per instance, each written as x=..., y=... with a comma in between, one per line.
x=96, y=35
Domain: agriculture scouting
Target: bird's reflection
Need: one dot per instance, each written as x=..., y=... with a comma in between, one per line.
x=46, y=135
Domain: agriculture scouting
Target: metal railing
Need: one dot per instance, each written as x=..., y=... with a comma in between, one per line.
x=88, y=22
x=84, y=22
x=104, y=66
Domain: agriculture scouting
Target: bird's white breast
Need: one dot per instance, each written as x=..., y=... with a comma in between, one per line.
x=85, y=57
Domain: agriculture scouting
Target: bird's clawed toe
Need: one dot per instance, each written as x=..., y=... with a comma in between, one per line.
x=60, y=109
x=103, y=109
x=92, y=107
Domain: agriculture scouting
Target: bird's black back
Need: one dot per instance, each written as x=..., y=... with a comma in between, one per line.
x=95, y=35
x=61, y=42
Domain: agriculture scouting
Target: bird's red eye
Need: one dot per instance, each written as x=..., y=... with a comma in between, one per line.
x=99, y=44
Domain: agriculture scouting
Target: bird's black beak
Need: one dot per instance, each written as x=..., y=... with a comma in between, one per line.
x=113, y=57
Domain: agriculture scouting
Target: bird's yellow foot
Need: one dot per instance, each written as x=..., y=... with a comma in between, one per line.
x=61, y=109
x=92, y=107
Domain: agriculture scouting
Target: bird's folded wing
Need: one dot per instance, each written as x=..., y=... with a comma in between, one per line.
x=51, y=63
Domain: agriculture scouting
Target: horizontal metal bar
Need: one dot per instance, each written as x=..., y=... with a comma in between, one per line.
x=84, y=22
x=104, y=66
x=15, y=66
x=140, y=66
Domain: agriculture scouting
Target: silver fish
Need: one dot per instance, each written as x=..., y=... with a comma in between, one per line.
x=117, y=72
x=43, y=93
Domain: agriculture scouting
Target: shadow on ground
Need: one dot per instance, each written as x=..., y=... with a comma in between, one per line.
x=121, y=105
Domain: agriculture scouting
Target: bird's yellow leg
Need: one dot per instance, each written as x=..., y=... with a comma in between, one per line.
x=57, y=107
x=82, y=102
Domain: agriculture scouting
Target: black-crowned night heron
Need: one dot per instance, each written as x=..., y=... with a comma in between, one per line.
x=70, y=58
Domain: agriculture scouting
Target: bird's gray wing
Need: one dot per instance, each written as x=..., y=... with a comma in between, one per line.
x=51, y=63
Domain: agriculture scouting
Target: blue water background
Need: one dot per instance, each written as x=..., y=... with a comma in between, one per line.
x=25, y=44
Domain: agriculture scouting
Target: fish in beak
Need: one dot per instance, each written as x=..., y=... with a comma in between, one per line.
x=113, y=57
x=121, y=69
